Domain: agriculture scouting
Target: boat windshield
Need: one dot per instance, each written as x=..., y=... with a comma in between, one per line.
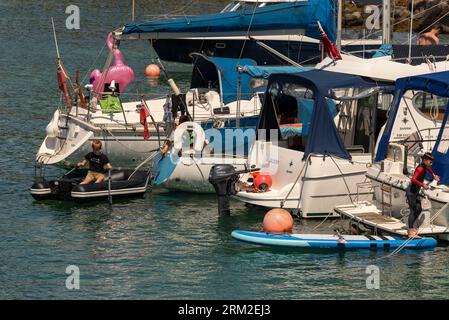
x=357, y=114
x=431, y=106
x=294, y=106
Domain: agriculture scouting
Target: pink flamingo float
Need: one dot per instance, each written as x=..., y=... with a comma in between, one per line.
x=122, y=74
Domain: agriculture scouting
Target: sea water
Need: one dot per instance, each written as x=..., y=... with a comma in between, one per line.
x=166, y=245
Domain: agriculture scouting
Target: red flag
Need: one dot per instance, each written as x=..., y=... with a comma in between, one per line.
x=144, y=113
x=63, y=87
x=328, y=46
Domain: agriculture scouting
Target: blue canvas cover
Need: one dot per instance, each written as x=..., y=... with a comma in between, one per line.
x=436, y=83
x=261, y=72
x=323, y=137
x=284, y=16
x=222, y=74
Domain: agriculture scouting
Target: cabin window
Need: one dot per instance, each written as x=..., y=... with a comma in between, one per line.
x=430, y=105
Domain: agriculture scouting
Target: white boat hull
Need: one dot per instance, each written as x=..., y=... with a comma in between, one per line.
x=314, y=190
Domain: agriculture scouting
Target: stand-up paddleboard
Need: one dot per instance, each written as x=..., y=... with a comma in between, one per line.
x=327, y=241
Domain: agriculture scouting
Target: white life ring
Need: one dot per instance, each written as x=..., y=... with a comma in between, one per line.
x=180, y=142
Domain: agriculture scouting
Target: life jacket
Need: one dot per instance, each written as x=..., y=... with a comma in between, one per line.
x=415, y=187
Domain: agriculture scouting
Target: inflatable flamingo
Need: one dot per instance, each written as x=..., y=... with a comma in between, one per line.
x=122, y=74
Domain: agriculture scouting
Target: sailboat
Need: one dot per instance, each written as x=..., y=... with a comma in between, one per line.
x=212, y=101
x=287, y=26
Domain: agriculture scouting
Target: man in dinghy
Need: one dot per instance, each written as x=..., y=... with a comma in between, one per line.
x=97, y=161
x=413, y=189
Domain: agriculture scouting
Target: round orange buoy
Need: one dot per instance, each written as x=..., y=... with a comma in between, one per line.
x=153, y=71
x=278, y=220
x=262, y=181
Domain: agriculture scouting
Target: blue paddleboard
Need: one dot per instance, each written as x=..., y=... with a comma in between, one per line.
x=327, y=241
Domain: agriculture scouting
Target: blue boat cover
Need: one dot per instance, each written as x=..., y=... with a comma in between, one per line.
x=435, y=83
x=221, y=73
x=284, y=16
x=384, y=50
x=261, y=72
x=323, y=136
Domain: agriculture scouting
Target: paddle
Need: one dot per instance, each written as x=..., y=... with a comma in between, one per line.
x=109, y=188
x=69, y=172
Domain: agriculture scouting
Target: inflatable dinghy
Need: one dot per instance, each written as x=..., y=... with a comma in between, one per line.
x=326, y=241
x=124, y=183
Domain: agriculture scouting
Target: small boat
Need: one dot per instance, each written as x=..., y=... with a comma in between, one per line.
x=327, y=241
x=124, y=183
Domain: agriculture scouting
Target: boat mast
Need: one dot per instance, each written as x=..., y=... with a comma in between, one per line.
x=133, y=10
x=339, y=23
x=386, y=25
x=56, y=40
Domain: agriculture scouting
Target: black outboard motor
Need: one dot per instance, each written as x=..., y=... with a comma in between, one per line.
x=224, y=178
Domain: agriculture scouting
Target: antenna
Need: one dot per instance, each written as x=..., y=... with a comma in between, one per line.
x=56, y=39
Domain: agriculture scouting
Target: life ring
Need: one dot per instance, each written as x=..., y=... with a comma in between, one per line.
x=193, y=145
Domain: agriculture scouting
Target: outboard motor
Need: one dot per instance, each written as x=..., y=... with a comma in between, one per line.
x=224, y=178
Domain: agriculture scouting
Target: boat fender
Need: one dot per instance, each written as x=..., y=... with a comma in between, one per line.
x=197, y=137
x=262, y=181
x=52, y=128
x=174, y=87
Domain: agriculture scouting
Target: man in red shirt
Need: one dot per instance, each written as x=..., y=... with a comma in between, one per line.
x=413, y=189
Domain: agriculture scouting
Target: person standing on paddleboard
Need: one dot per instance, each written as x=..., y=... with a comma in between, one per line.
x=413, y=189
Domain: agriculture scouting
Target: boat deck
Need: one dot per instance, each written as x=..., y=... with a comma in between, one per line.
x=368, y=215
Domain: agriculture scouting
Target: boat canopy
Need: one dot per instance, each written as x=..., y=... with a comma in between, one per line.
x=221, y=74
x=323, y=136
x=434, y=83
x=282, y=18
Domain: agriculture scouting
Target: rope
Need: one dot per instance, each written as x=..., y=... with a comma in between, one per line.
x=344, y=180
x=296, y=181
x=247, y=32
x=95, y=61
x=154, y=153
x=402, y=246
x=123, y=145
x=330, y=213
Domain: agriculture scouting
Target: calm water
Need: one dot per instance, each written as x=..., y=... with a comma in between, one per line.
x=166, y=246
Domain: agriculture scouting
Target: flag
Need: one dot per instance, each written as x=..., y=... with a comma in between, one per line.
x=144, y=113
x=328, y=46
x=63, y=86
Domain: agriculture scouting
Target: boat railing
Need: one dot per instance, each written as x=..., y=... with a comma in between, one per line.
x=363, y=185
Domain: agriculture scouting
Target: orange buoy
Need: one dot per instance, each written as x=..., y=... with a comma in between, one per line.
x=153, y=71
x=278, y=220
x=262, y=181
